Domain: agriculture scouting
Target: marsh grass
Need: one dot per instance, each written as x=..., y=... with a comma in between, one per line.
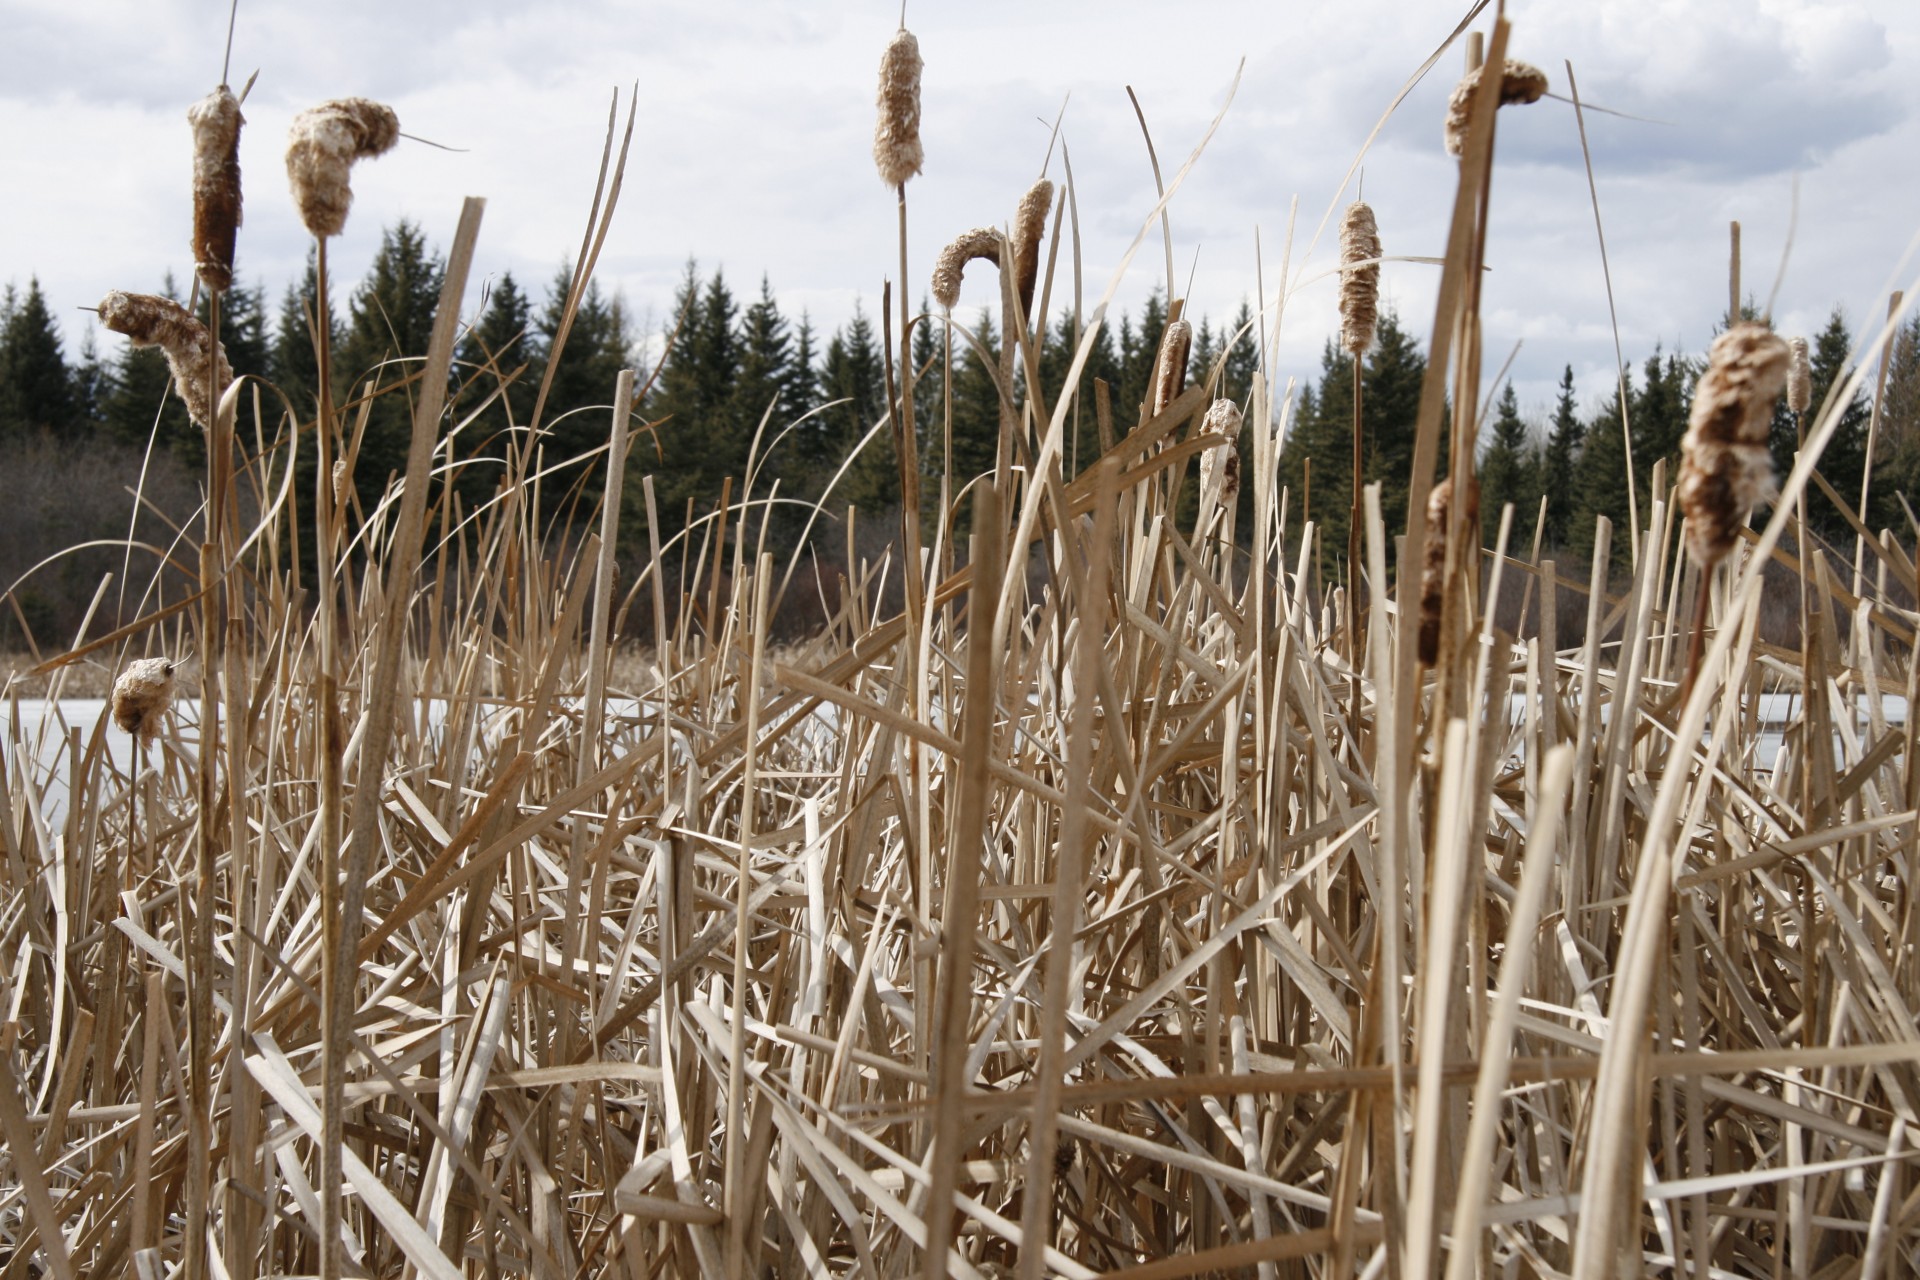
x=1104, y=912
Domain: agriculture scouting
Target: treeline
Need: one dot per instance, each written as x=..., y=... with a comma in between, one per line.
x=1579, y=463
x=726, y=369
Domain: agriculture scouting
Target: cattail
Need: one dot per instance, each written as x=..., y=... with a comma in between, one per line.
x=896, y=138
x=1220, y=466
x=1170, y=370
x=1359, y=278
x=141, y=697
x=341, y=479
x=1433, y=572
x=1029, y=226
x=1725, y=469
x=1521, y=82
x=981, y=242
x=197, y=360
x=216, y=122
x=1799, y=376
x=322, y=145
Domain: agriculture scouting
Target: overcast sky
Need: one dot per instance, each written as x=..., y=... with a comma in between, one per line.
x=753, y=149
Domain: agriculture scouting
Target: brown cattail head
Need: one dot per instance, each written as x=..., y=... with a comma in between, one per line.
x=1725, y=469
x=1029, y=226
x=198, y=362
x=896, y=138
x=1220, y=466
x=981, y=242
x=216, y=122
x=1521, y=83
x=1359, y=278
x=1799, y=376
x=1170, y=370
x=1433, y=569
x=322, y=145
x=141, y=697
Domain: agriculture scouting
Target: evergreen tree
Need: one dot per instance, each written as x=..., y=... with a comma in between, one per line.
x=1564, y=442
x=1508, y=474
x=390, y=322
x=1600, y=481
x=36, y=389
x=759, y=391
x=1844, y=461
x=92, y=384
x=802, y=392
x=1897, y=471
x=852, y=384
x=1139, y=351
x=1103, y=364
x=577, y=417
x=1243, y=356
x=291, y=363
x=500, y=360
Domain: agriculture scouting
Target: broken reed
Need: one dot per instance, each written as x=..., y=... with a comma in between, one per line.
x=655, y=983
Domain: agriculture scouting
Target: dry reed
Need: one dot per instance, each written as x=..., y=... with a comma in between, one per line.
x=216, y=122
x=322, y=144
x=197, y=360
x=1134, y=935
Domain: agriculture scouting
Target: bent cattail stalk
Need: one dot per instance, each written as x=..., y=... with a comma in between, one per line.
x=1519, y=83
x=1170, y=370
x=896, y=137
x=1359, y=278
x=981, y=242
x=1029, y=226
x=216, y=122
x=1799, y=376
x=322, y=145
x=198, y=362
x=1220, y=466
x=141, y=697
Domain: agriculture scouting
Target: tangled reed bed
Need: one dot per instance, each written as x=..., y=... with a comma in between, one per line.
x=1123, y=918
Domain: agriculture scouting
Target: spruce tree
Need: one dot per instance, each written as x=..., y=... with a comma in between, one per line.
x=577, y=417
x=1508, y=474
x=291, y=362
x=389, y=326
x=1564, y=441
x=36, y=389
x=1600, y=481
x=1844, y=460
x=852, y=384
x=499, y=362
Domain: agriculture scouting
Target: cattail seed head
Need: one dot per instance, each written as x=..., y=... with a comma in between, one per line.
x=1520, y=83
x=896, y=138
x=981, y=242
x=1799, y=376
x=1725, y=469
x=1433, y=569
x=1170, y=370
x=141, y=697
x=1359, y=278
x=1220, y=466
x=1029, y=227
x=197, y=361
x=216, y=122
x=341, y=479
x=322, y=145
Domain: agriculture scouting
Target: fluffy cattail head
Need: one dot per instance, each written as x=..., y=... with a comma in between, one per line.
x=141, y=697
x=198, y=362
x=981, y=242
x=1220, y=466
x=1359, y=278
x=1725, y=469
x=1520, y=83
x=1170, y=370
x=322, y=145
x=216, y=122
x=896, y=138
x=1799, y=376
x=1029, y=226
